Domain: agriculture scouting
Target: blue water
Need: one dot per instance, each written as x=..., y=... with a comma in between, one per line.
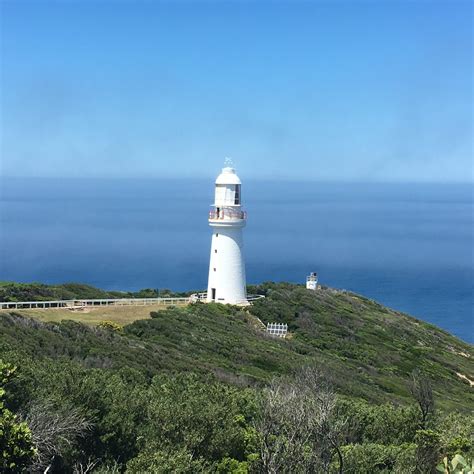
x=408, y=246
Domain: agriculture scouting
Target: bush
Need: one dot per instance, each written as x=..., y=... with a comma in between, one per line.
x=177, y=461
x=16, y=445
x=370, y=458
x=457, y=465
x=110, y=325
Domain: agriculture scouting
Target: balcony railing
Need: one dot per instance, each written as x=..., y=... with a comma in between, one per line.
x=225, y=214
x=203, y=297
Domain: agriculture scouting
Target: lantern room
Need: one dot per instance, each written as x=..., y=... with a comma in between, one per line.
x=228, y=189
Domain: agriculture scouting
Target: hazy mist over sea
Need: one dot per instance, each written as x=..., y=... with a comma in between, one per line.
x=407, y=245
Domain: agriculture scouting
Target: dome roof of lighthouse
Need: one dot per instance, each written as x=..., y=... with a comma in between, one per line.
x=228, y=176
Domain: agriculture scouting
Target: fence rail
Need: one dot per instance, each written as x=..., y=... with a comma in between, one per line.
x=92, y=302
x=110, y=302
x=203, y=297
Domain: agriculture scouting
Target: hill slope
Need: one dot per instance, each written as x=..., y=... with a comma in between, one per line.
x=368, y=350
x=202, y=389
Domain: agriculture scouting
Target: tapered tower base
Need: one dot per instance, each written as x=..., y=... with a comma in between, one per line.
x=226, y=282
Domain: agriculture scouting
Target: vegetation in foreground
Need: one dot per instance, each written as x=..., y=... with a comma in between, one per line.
x=357, y=388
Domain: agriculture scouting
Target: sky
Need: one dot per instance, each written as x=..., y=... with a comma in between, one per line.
x=301, y=90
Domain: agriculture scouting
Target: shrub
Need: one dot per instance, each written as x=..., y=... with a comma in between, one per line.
x=370, y=458
x=179, y=461
x=110, y=325
x=16, y=445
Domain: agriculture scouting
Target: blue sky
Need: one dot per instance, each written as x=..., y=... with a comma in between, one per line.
x=360, y=90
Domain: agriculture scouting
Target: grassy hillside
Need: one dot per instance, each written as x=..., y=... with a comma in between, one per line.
x=369, y=350
x=381, y=345
x=201, y=388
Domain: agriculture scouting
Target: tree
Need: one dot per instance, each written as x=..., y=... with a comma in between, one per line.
x=85, y=467
x=326, y=425
x=422, y=392
x=179, y=461
x=427, y=440
x=210, y=421
x=369, y=458
x=427, y=451
x=16, y=446
x=54, y=432
x=297, y=425
x=283, y=425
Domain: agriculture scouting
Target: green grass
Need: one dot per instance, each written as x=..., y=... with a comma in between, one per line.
x=121, y=315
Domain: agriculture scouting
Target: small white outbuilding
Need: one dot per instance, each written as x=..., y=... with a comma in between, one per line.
x=312, y=281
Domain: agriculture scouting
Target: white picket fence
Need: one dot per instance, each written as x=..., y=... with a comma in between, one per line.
x=277, y=329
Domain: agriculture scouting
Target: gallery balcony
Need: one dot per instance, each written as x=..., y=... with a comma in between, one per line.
x=224, y=214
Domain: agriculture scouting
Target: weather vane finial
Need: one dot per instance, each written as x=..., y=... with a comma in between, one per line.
x=228, y=163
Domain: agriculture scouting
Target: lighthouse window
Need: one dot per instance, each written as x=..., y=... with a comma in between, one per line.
x=220, y=193
x=214, y=269
x=217, y=235
x=237, y=194
x=215, y=250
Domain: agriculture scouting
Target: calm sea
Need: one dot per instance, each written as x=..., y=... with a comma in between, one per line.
x=409, y=246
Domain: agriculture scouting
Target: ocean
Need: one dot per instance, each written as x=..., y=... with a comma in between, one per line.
x=409, y=246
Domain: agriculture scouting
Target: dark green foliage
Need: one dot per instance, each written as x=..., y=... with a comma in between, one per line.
x=181, y=392
x=157, y=461
x=428, y=450
x=159, y=293
x=133, y=414
x=373, y=458
x=208, y=420
x=16, y=445
x=10, y=291
x=39, y=292
x=383, y=424
x=371, y=350
x=457, y=434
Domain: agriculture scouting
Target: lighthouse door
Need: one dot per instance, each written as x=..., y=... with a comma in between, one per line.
x=213, y=294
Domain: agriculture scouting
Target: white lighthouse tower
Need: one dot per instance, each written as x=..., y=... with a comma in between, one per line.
x=226, y=282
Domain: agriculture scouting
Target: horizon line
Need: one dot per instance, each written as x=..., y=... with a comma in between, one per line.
x=256, y=178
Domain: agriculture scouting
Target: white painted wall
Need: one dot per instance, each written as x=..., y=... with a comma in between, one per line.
x=226, y=267
x=312, y=281
x=226, y=282
x=225, y=195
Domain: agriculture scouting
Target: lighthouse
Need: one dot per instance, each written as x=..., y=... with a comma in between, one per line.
x=226, y=283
